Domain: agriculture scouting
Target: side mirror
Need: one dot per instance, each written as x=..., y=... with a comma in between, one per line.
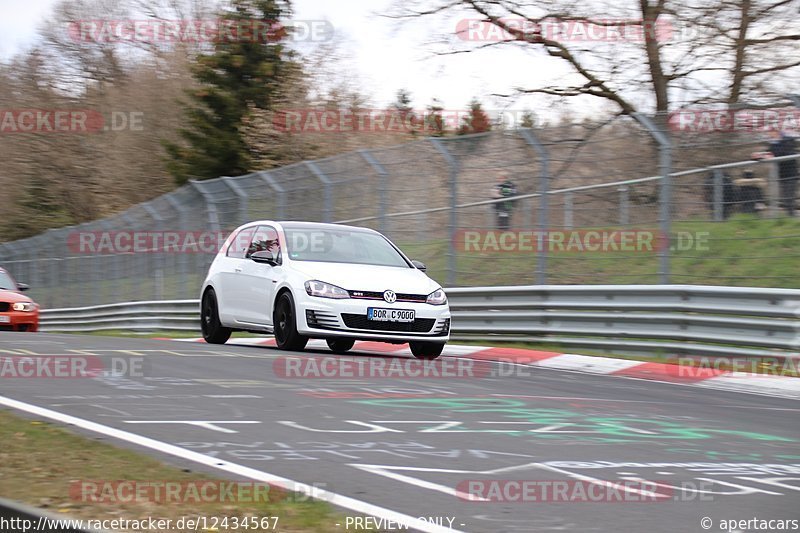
x=419, y=265
x=264, y=257
x=23, y=286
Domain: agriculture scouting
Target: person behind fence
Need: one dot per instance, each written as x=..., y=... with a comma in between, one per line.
x=727, y=197
x=751, y=193
x=783, y=144
x=504, y=188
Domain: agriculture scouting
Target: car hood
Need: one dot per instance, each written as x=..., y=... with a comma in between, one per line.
x=12, y=296
x=368, y=277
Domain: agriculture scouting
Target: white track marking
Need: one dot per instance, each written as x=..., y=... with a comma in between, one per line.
x=240, y=470
x=213, y=425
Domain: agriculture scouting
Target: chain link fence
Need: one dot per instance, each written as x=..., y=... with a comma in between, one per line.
x=697, y=207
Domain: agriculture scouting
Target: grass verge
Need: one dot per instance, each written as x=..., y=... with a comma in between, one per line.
x=41, y=462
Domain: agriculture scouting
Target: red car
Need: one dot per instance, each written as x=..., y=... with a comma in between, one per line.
x=17, y=311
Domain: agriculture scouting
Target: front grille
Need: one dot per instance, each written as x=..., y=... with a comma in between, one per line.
x=321, y=319
x=4, y=306
x=376, y=295
x=419, y=325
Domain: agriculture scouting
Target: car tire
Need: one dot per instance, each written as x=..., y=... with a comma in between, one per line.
x=213, y=330
x=340, y=346
x=285, y=324
x=426, y=350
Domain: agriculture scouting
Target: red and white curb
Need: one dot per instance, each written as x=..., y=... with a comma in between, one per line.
x=771, y=385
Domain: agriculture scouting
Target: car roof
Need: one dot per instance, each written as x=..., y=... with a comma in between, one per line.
x=298, y=224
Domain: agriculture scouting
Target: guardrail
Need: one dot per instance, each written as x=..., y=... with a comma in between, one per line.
x=666, y=319
x=158, y=315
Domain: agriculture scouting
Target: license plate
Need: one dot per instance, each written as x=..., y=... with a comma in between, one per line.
x=390, y=315
x=5, y=319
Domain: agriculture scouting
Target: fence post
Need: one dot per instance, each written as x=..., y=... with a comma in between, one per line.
x=182, y=260
x=281, y=193
x=241, y=195
x=774, y=190
x=50, y=276
x=568, y=219
x=452, y=163
x=211, y=204
x=717, y=197
x=158, y=256
x=327, y=213
x=543, y=215
x=100, y=270
x=665, y=200
x=383, y=188
x=624, y=205
x=133, y=260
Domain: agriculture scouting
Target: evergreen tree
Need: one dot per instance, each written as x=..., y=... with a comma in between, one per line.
x=434, y=122
x=403, y=102
x=402, y=108
x=528, y=120
x=243, y=71
x=477, y=121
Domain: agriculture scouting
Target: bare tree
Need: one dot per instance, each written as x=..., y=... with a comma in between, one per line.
x=641, y=55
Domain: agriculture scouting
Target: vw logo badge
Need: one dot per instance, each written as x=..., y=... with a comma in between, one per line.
x=389, y=296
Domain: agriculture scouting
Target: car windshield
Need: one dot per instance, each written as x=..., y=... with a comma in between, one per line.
x=6, y=282
x=342, y=246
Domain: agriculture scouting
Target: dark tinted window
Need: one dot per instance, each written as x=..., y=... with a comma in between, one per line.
x=239, y=246
x=266, y=240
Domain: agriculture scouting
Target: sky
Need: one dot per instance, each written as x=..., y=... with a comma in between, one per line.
x=18, y=23
x=380, y=55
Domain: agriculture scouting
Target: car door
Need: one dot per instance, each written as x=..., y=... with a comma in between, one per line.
x=230, y=269
x=257, y=280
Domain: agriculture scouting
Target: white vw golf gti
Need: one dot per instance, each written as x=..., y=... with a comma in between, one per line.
x=303, y=280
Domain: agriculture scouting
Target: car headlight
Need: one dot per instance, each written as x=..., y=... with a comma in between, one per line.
x=437, y=297
x=23, y=306
x=325, y=290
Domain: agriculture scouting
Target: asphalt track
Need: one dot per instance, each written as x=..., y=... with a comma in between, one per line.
x=407, y=448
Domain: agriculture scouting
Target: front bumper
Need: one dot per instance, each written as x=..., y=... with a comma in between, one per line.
x=19, y=321
x=328, y=318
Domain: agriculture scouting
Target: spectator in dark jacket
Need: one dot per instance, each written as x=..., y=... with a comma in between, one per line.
x=504, y=188
x=782, y=144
